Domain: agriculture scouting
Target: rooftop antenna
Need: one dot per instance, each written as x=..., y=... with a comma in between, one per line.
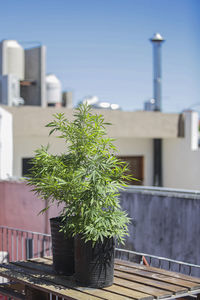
x=157, y=41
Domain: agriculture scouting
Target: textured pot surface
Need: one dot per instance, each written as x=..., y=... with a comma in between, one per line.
x=94, y=266
x=62, y=248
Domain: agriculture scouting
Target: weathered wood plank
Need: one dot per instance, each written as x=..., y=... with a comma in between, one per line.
x=151, y=282
x=44, y=285
x=157, y=270
x=64, y=281
x=42, y=260
x=106, y=294
x=34, y=266
x=143, y=273
x=131, y=282
x=129, y=293
x=155, y=292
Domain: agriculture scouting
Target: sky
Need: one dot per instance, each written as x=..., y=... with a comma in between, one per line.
x=101, y=47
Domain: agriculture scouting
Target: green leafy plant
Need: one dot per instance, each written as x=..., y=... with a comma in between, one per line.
x=86, y=178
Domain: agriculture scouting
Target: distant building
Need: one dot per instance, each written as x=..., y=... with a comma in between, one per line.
x=23, y=79
x=22, y=130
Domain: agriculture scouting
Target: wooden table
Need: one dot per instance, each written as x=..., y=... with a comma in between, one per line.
x=132, y=281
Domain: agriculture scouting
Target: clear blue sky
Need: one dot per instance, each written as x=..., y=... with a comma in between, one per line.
x=102, y=48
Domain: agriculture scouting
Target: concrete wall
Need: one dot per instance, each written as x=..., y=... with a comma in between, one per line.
x=6, y=144
x=181, y=157
x=165, y=222
x=35, y=70
x=31, y=120
x=24, y=148
x=133, y=132
x=134, y=138
x=19, y=208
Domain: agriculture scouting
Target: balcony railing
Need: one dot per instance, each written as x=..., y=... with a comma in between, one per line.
x=158, y=262
x=17, y=244
x=23, y=244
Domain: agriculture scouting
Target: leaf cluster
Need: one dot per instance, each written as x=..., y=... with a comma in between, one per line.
x=86, y=178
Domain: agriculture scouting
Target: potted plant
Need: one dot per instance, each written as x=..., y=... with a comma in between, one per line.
x=86, y=178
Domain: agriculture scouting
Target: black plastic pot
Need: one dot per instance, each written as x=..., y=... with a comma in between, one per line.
x=94, y=266
x=62, y=248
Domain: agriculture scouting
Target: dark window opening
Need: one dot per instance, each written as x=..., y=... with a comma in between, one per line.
x=136, y=167
x=26, y=166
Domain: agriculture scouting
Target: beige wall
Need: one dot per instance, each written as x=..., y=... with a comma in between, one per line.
x=30, y=120
x=24, y=147
x=181, y=157
x=181, y=167
x=133, y=132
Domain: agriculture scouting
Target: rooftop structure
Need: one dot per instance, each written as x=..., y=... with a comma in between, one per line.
x=22, y=131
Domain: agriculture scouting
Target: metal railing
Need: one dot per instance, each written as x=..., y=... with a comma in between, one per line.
x=23, y=244
x=19, y=244
x=158, y=262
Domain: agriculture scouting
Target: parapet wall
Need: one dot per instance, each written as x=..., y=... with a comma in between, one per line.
x=166, y=222
x=19, y=208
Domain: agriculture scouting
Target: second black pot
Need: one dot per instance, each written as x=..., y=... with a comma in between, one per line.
x=94, y=266
x=62, y=248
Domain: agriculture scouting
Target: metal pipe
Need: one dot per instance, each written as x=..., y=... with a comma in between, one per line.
x=157, y=176
x=157, y=143
x=157, y=41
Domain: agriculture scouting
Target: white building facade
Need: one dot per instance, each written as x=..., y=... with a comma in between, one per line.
x=22, y=131
x=6, y=144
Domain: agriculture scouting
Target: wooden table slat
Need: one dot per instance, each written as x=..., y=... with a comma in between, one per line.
x=106, y=294
x=63, y=282
x=34, y=266
x=131, y=281
x=155, y=292
x=60, y=280
x=42, y=260
x=45, y=286
x=129, y=293
x=158, y=270
x=151, y=282
x=161, y=277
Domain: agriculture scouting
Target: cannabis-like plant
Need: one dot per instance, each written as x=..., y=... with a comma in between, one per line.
x=86, y=178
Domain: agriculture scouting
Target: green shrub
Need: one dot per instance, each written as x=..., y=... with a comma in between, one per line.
x=86, y=178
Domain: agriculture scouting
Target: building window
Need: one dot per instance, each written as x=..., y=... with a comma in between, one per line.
x=26, y=166
x=136, y=167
